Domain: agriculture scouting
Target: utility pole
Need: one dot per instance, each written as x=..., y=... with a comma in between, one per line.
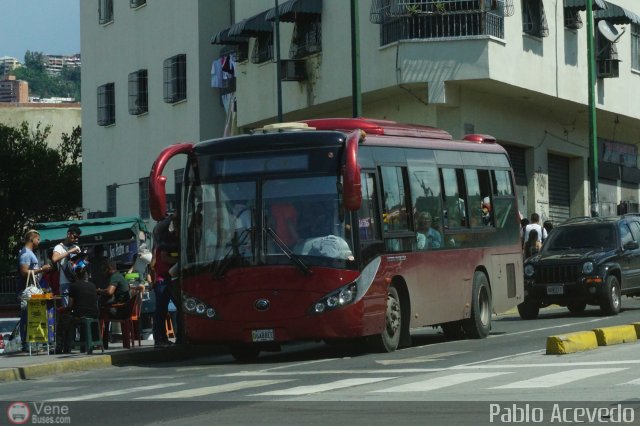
x=356, y=95
x=593, y=134
x=278, y=76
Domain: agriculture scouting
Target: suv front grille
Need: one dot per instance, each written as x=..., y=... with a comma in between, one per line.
x=557, y=274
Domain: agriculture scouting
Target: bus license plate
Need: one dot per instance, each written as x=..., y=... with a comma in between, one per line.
x=555, y=289
x=265, y=335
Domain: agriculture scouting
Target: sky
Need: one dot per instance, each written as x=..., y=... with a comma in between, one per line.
x=48, y=26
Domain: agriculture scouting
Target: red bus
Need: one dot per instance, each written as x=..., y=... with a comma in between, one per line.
x=342, y=229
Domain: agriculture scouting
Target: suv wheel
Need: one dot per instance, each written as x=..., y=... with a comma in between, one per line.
x=528, y=310
x=610, y=303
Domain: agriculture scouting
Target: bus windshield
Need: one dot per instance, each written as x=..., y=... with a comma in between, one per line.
x=297, y=221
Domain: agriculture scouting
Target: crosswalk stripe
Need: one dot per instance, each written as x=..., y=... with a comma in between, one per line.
x=209, y=390
x=439, y=382
x=116, y=392
x=559, y=378
x=339, y=384
x=632, y=382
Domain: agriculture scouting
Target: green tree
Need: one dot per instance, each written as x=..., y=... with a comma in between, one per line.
x=37, y=183
x=41, y=84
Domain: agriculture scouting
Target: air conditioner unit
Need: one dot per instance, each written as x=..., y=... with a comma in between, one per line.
x=293, y=70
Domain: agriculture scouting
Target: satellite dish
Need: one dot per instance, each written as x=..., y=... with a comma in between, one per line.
x=608, y=31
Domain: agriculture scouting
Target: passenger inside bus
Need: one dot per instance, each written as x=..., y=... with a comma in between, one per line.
x=427, y=237
x=285, y=221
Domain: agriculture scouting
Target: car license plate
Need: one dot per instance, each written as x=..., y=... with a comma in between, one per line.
x=265, y=335
x=555, y=289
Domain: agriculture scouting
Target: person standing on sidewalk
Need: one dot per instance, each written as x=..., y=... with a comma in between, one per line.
x=165, y=255
x=27, y=262
x=61, y=254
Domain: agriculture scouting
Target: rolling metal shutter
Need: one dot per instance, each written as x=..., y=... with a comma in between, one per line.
x=559, y=199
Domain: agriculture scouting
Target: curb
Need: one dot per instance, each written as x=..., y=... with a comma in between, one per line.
x=587, y=340
x=120, y=358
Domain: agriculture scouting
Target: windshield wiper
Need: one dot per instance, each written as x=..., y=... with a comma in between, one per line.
x=294, y=258
x=233, y=253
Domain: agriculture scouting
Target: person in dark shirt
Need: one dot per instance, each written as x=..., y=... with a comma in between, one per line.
x=83, y=302
x=117, y=290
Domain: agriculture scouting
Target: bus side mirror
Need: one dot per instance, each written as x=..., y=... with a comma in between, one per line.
x=351, y=180
x=157, y=194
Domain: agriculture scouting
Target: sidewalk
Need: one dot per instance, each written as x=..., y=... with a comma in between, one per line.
x=21, y=366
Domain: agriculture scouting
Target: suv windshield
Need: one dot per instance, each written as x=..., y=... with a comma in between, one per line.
x=600, y=236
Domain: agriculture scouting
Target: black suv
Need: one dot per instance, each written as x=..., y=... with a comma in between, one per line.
x=584, y=261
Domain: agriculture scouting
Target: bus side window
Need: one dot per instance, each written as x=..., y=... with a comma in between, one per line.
x=367, y=215
x=454, y=198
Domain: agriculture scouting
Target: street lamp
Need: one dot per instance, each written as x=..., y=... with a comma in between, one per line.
x=593, y=134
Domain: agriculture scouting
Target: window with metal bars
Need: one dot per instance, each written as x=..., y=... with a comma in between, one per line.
x=138, y=92
x=111, y=199
x=175, y=78
x=262, y=48
x=105, y=11
x=106, y=104
x=635, y=47
x=534, y=20
x=307, y=37
x=143, y=191
x=137, y=3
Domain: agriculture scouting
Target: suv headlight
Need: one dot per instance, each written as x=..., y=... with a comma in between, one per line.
x=529, y=271
x=588, y=267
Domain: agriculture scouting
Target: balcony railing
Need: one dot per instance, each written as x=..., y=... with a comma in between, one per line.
x=472, y=24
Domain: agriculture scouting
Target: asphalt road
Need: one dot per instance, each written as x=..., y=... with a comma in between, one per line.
x=435, y=381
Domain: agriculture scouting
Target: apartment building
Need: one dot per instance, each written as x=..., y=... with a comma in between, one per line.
x=55, y=63
x=145, y=85
x=8, y=64
x=515, y=69
x=12, y=90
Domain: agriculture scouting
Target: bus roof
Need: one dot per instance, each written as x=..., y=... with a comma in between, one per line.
x=378, y=127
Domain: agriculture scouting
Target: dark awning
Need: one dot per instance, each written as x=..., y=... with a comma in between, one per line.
x=617, y=15
x=251, y=27
x=288, y=10
x=582, y=4
x=223, y=37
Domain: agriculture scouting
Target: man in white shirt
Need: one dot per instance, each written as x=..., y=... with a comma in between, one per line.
x=535, y=224
x=61, y=253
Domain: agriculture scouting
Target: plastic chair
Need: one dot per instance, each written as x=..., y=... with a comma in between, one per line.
x=91, y=331
x=128, y=324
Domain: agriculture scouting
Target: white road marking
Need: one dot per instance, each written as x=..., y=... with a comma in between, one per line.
x=300, y=363
x=419, y=359
x=210, y=390
x=632, y=382
x=116, y=392
x=439, y=382
x=560, y=378
x=324, y=387
x=546, y=328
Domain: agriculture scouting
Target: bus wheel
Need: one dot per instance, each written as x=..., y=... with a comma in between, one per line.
x=479, y=324
x=388, y=340
x=244, y=352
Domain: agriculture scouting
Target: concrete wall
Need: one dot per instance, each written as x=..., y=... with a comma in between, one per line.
x=62, y=118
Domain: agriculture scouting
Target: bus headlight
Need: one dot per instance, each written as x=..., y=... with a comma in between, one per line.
x=336, y=299
x=588, y=267
x=197, y=307
x=529, y=271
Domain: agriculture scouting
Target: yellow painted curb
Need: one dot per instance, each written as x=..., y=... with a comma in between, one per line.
x=571, y=342
x=9, y=374
x=66, y=366
x=616, y=334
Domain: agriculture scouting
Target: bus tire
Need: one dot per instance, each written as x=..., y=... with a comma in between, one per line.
x=244, y=352
x=528, y=310
x=610, y=302
x=389, y=339
x=478, y=325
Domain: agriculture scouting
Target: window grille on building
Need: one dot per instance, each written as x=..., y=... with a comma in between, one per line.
x=111, y=199
x=106, y=104
x=105, y=11
x=262, y=48
x=635, y=47
x=137, y=3
x=175, y=78
x=307, y=37
x=144, y=197
x=534, y=20
x=138, y=92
